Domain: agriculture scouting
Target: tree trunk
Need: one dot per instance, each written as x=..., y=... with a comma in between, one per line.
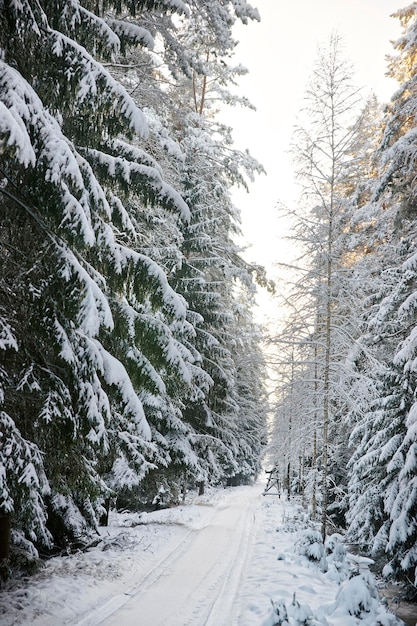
x=289, y=480
x=314, y=466
x=327, y=348
x=5, y=528
x=104, y=519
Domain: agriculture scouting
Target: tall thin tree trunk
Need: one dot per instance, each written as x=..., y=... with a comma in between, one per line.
x=327, y=347
x=314, y=498
x=291, y=408
x=314, y=459
x=325, y=442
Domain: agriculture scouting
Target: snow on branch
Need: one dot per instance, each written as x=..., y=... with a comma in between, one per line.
x=134, y=33
x=92, y=80
x=48, y=148
x=122, y=473
x=21, y=467
x=109, y=34
x=7, y=339
x=245, y=11
x=179, y=6
x=94, y=308
x=13, y=134
x=133, y=153
x=27, y=17
x=162, y=135
x=406, y=355
x=147, y=369
x=115, y=374
x=170, y=298
x=175, y=353
x=121, y=215
x=147, y=179
x=400, y=157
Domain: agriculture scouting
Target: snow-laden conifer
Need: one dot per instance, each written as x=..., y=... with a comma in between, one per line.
x=107, y=348
x=384, y=466
x=67, y=176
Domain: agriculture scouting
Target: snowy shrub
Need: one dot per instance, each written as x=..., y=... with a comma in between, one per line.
x=336, y=558
x=359, y=564
x=358, y=597
x=298, y=519
x=310, y=544
x=335, y=547
x=19, y=542
x=278, y=615
x=388, y=571
x=292, y=614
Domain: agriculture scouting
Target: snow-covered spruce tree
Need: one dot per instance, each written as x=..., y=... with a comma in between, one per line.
x=364, y=246
x=205, y=147
x=397, y=184
x=22, y=479
x=252, y=392
x=391, y=439
x=177, y=115
x=86, y=302
x=383, y=392
x=381, y=468
x=212, y=264
x=382, y=395
x=157, y=236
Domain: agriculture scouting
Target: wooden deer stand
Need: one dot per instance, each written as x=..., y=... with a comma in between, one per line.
x=273, y=482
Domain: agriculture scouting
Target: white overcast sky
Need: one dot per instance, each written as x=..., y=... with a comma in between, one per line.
x=279, y=53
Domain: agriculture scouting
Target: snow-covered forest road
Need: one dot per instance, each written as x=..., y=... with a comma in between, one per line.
x=196, y=579
x=218, y=560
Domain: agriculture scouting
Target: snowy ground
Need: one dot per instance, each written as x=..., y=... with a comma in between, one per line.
x=219, y=560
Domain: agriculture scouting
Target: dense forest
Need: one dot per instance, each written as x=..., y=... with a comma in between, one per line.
x=130, y=363
x=345, y=437
x=131, y=366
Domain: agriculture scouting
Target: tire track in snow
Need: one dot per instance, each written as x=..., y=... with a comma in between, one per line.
x=217, y=590
x=195, y=584
x=147, y=579
x=222, y=609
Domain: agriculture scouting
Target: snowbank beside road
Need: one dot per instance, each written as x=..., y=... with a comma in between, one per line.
x=306, y=583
